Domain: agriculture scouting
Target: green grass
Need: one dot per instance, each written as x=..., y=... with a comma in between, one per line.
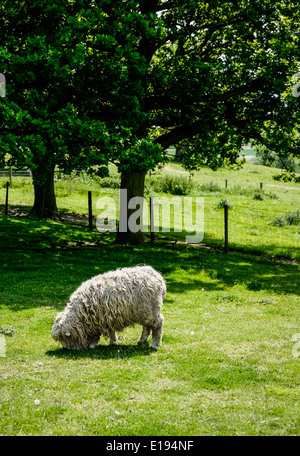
x=226, y=365
x=253, y=210
x=251, y=218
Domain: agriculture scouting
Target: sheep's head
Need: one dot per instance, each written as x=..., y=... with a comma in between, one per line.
x=71, y=336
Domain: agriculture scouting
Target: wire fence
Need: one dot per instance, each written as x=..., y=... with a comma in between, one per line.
x=273, y=230
x=267, y=230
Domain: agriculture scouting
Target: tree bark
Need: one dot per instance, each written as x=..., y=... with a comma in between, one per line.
x=132, y=186
x=44, y=194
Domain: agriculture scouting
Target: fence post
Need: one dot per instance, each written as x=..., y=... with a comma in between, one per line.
x=261, y=185
x=6, y=199
x=226, y=227
x=225, y=183
x=90, y=210
x=151, y=220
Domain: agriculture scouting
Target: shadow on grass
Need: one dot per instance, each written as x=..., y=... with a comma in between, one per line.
x=105, y=352
x=40, y=265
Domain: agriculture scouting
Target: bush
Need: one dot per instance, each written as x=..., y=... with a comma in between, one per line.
x=278, y=221
x=258, y=196
x=173, y=185
x=108, y=182
x=210, y=187
x=292, y=218
x=224, y=202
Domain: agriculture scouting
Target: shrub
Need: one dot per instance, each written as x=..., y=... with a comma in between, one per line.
x=258, y=196
x=278, y=221
x=224, y=202
x=292, y=218
x=108, y=182
x=170, y=184
x=211, y=187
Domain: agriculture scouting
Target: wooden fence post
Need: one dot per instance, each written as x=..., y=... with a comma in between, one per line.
x=6, y=199
x=226, y=227
x=151, y=220
x=90, y=210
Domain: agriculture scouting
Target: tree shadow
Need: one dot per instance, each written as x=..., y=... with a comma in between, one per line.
x=36, y=273
x=118, y=351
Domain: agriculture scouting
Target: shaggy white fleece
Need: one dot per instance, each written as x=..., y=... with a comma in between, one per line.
x=110, y=302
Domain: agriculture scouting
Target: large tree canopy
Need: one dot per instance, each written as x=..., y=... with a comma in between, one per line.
x=39, y=123
x=143, y=75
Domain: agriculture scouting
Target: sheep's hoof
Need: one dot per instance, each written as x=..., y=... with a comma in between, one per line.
x=140, y=342
x=154, y=346
x=92, y=346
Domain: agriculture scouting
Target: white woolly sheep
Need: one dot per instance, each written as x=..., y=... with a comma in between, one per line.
x=110, y=302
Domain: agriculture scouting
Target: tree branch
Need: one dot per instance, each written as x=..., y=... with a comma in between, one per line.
x=178, y=134
x=256, y=84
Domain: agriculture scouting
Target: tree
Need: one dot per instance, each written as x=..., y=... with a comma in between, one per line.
x=214, y=73
x=155, y=73
x=40, y=126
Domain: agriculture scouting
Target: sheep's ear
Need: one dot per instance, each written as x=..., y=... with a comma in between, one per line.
x=67, y=334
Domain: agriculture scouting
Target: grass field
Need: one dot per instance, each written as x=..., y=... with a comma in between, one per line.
x=229, y=363
x=251, y=217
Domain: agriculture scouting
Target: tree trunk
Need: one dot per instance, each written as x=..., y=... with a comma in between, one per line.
x=130, y=229
x=44, y=195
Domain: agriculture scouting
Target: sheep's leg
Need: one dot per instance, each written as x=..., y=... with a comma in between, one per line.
x=113, y=339
x=157, y=331
x=145, y=334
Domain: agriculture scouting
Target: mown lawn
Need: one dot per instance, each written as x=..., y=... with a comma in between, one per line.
x=227, y=365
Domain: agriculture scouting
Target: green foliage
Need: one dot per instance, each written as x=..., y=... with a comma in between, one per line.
x=250, y=222
x=121, y=81
x=278, y=221
x=141, y=157
x=41, y=126
x=171, y=184
x=258, y=196
x=224, y=202
x=269, y=158
x=287, y=177
x=292, y=218
x=211, y=187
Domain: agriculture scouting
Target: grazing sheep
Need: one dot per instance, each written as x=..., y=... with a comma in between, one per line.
x=110, y=302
